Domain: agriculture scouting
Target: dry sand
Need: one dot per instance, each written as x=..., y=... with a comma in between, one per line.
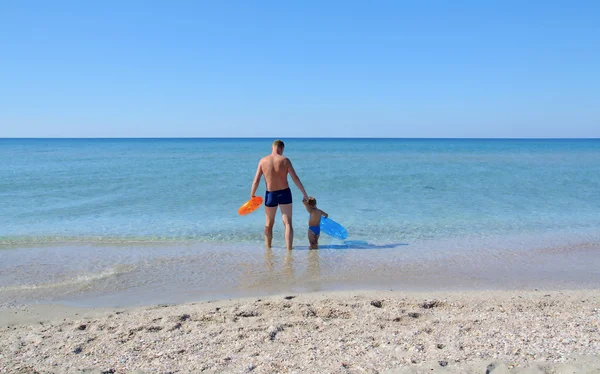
x=339, y=332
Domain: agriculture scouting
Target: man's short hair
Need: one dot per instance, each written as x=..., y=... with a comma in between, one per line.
x=278, y=143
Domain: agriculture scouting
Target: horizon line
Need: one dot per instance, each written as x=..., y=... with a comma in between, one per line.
x=296, y=138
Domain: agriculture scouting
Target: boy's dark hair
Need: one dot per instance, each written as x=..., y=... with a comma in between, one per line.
x=312, y=201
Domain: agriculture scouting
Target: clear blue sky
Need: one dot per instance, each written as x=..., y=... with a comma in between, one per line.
x=300, y=68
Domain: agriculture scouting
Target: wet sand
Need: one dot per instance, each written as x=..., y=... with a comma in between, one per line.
x=544, y=331
x=138, y=275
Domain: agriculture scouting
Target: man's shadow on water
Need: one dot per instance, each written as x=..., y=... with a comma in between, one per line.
x=354, y=244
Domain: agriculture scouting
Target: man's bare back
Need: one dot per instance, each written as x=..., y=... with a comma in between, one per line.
x=275, y=169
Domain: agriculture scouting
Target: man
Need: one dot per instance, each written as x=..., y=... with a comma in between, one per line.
x=276, y=168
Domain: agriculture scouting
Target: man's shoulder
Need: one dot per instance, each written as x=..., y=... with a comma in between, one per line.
x=278, y=158
x=275, y=159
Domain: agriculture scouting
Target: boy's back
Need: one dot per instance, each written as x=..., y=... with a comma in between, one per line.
x=315, y=217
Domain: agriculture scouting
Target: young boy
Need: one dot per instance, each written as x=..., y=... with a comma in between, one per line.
x=314, y=221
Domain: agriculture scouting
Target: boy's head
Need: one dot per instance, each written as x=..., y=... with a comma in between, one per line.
x=312, y=201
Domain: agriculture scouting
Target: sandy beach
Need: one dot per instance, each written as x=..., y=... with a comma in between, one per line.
x=533, y=331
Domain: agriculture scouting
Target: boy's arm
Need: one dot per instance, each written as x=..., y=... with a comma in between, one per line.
x=324, y=214
x=308, y=207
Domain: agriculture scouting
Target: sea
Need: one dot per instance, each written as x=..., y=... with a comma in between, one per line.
x=123, y=222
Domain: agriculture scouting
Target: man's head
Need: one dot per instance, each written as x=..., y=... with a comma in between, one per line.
x=312, y=201
x=278, y=146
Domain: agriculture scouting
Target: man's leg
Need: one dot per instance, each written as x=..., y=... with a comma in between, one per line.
x=286, y=215
x=270, y=212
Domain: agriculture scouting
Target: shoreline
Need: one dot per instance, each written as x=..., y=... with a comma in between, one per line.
x=337, y=331
x=91, y=276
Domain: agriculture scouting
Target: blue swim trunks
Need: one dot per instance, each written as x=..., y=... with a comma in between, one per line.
x=315, y=229
x=274, y=198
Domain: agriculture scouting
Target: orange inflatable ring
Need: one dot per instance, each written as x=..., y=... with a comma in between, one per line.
x=250, y=205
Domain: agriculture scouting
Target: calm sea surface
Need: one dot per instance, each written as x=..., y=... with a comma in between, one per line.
x=124, y=221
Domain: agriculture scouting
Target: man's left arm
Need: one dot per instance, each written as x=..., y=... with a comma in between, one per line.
x=296, y=179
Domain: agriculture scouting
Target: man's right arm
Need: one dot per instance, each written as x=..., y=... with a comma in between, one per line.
x=296, y=179
x=256, y=181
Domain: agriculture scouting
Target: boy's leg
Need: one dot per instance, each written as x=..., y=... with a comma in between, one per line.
x=313, y=239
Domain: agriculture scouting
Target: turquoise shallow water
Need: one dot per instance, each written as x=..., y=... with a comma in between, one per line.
x=381, y=190
x=99, y=209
